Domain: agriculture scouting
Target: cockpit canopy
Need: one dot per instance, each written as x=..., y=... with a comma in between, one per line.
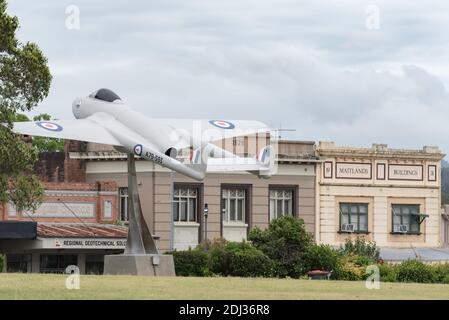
x=105, y=95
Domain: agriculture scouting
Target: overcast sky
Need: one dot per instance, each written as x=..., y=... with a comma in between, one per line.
x=333, y=70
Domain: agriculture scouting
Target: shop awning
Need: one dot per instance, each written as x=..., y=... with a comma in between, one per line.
x=13, y=230
x=80, y=230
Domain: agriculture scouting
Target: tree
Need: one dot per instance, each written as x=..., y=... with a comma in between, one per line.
x=285, y=241
x=43, y=144
x=24, y=81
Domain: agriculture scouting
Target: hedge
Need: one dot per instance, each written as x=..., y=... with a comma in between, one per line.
x=285, y=249
x=224, y=258
x=191, y=263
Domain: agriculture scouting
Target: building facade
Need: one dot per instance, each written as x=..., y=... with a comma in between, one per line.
x=390, y=196
x=173, y=205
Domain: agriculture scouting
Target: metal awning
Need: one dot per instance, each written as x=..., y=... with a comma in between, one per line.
x=421, y=216
x=15, y=230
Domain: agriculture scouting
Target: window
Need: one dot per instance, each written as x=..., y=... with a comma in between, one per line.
x=18, y=263
x=94, y=263
x=57, y=263
x=405, y=218
x=185, y=204
x=234, y=205
x=123, y=194
x=354, y=217
x=281, y=203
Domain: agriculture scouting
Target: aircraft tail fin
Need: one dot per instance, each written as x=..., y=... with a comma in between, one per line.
x=266, y=158
x=199, y=158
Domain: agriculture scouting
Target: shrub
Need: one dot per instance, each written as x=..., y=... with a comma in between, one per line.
x=362, y=248
x=414, y=271
x=322, y=257
x=349, y=269
x=251, y=263
x=191, y=263
x=440, y=273
x=387, y=273
x=239, y=259
x=2, y=259
x=285, y=241
x=362, y=261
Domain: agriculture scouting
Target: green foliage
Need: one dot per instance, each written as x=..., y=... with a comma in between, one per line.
x=42, y=144
x=344, y=266
x=239, y=259
x=350, y=268
x=321, y=257
x=362, y=248
x=2, y=261
x=285, y=241
x=440, y=273
x=223, y=258
x=387, y=272
x=362, y=261
x=191, y=263
x=414, y=271
x=24, y=82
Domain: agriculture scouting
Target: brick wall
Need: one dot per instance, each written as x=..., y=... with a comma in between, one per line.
x=75, y=169
x=50, y=167
x=66, y=197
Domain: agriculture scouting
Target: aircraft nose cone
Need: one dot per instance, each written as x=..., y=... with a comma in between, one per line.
x=76, y=107
x=76, y=103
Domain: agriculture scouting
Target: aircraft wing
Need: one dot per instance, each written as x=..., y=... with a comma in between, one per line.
x=83, y=130
x=209, y=130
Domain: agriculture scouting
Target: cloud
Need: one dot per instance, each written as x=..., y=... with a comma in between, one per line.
x=313, y=66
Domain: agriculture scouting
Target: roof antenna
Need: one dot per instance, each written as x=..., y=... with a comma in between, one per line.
x=277, y=132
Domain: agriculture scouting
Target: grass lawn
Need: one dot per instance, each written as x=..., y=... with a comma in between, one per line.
x=39, y=286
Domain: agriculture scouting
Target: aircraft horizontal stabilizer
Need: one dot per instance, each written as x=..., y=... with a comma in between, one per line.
x=261, y=165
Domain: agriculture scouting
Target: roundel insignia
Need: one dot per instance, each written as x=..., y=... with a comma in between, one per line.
x=222, y=124
x=138, y=150
x=49, y=126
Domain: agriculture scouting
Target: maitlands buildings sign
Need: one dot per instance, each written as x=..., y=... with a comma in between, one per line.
x=357, y=170
x=353, y=170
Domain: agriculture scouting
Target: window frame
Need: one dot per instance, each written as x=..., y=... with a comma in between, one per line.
x=125, y=199
x=198, y=203
x=248, y=204
x=349, y=204
x=226, y=216
x=293, y=189
x=393, y=214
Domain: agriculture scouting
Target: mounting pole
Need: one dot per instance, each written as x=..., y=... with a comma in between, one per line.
x=141, y=255
x=140, y=240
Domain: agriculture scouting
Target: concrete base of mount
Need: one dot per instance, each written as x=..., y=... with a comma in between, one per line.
x=140, y=265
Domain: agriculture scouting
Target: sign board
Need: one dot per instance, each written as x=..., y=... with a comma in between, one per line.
x=328, y=169
x=381, y=171
x=405, y=172
x=65, y=210
x=83, y=243
x=432, y=173
x=353, y=170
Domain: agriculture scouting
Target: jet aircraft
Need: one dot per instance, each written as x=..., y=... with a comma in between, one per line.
x=103, y=117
